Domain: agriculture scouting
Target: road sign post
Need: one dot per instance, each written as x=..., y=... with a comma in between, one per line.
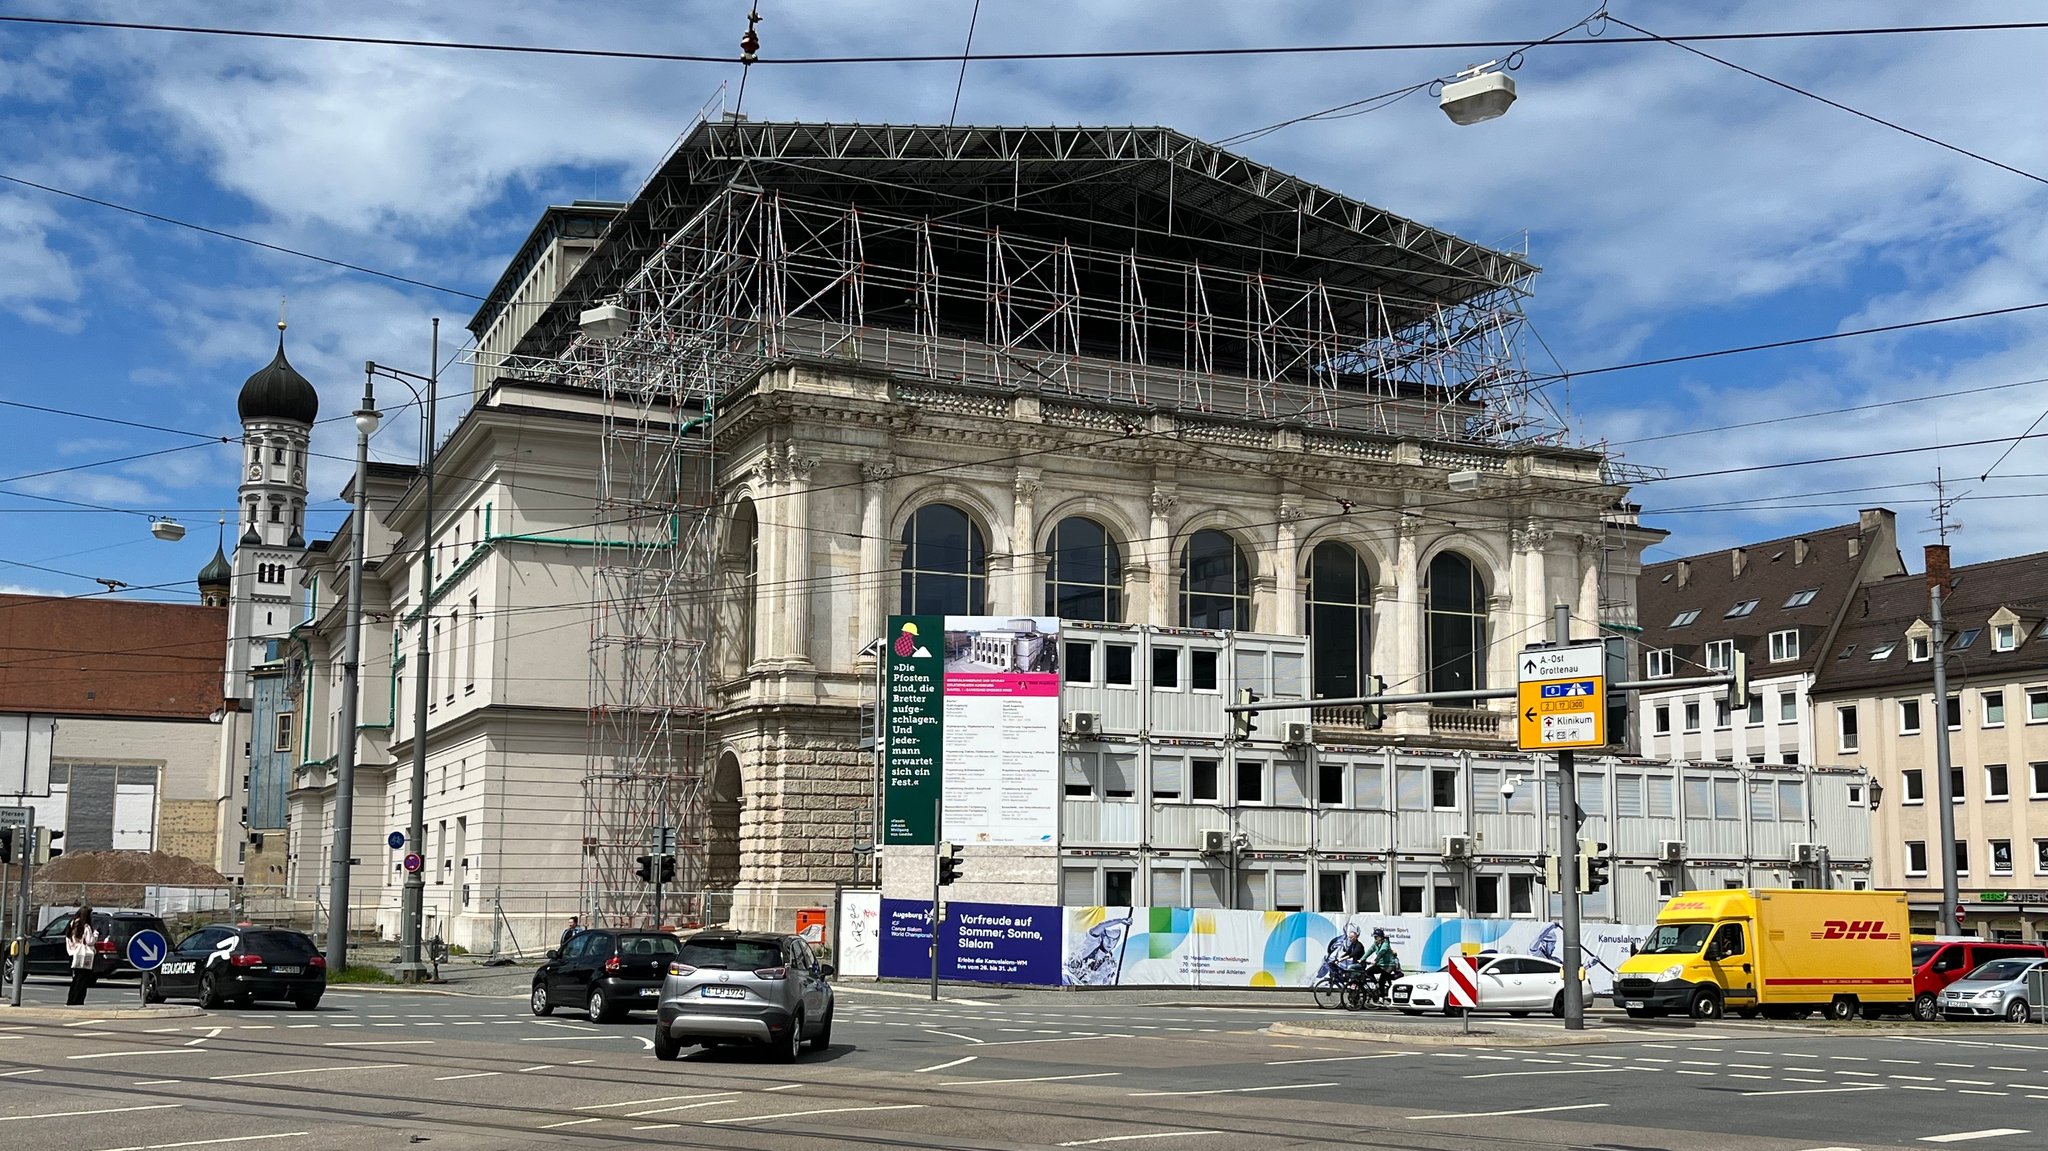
x=147, y=948
x=18, y=946
x=1464, y=989
x=1561, y=705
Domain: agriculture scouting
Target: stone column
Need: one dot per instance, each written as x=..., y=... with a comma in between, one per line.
x=1164, y=609
x=771, y=514
x=1504, y=638
x=1286, y=619
x=1409, y=661
x=1589, y=585
x=796, y=571
x=878, y=582
x=1025, y=561
x=1386, y=639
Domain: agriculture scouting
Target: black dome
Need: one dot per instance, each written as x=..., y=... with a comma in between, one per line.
x=216, y=570
x=279, y=392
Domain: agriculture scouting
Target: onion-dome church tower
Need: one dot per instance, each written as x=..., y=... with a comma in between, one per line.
x=278, y=407
x=217, y=579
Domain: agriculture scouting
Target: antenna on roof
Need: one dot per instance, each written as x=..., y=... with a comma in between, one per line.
x=1943, y=505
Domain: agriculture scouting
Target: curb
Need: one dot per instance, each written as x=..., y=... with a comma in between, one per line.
x=1459, y=1039
x=99, y=1015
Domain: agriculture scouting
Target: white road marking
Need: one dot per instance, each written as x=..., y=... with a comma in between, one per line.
x=819, y=1111
x=1519, y=1111
x=1571, y=1071
x=538, y=1067
x=681, y=1107
x=84, y=1022
x=471, y=1075
x=120, y=1054
x=99, y=1111
x=1228, y=1090
x=153, y=1082
x=23, y=1071
x=1075, y=1039
x=203, y=1038
x=1033, y=1079
x=951, y=1035
x=211, y=1142
x=783, y=1087
x=308, y=1071
x=1128, y=1138
x=656, y=1099
x=943, y=1066
x=1822, y=1090
x=1341, y=1058
x=382, y=1043
x=567, y=1123
x=560, y=1038
x=1966, y=1136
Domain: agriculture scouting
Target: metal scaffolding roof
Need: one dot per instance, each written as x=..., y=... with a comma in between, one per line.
x=1154, y=192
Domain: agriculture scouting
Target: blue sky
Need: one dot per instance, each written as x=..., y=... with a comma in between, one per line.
x=1675, y=205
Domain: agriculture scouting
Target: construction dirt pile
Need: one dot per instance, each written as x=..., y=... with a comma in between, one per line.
x=118, y=878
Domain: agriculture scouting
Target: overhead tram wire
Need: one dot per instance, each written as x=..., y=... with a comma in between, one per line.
x=1836, y=104
x=1010, y=57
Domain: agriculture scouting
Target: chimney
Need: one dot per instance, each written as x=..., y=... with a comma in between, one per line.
x=1801, y=548
x=1741, y=558
x=1937, y=567
x=1684, y=572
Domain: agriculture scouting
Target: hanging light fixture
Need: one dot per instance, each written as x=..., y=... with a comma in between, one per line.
x=1480, y=93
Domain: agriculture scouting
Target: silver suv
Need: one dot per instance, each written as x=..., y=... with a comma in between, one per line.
x=745, y=987
x=1995, y=990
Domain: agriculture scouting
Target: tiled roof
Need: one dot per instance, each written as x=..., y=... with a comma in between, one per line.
x=1776, y=574
x=104, y=657
x=1884, y=610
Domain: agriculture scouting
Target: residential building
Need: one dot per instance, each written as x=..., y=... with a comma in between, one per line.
x=1875, y=707
x=1778, y=602
x=132, y=691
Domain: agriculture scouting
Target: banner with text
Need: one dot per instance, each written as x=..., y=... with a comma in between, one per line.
x=979, y=942
x=972, y=724
x=1216, y=947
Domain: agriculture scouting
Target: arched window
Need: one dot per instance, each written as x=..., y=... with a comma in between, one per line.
x=1454, y=622
x=1215, y=583
x=1084, y=572
x=1338, y=618
x=945, y=564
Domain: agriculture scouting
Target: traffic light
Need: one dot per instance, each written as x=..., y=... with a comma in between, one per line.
x=644, y=868
x=668, y=869
x=1593, y=866
x=1376, y=713
x=1549, y=871
x=1244, y=723
x=1738, y=691
x=949, y=863
x=6, y=845
x=44, y=852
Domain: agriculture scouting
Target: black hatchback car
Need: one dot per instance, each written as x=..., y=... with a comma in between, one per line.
x=242, y=963
x=606, y=972
x=47, y=954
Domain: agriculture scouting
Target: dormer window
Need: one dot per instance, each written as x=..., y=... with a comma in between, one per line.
x=1685, y=617
x=1741, y=609
x=1784, y=645
x=1802, y=598
x=1918, y=648
x=1720, y=654
x=1657, y=663
x=2005, y=636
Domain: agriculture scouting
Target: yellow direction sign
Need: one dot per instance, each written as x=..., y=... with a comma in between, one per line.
x=1562, y=698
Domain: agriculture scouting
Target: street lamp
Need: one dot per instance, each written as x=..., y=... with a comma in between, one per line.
x=1478, y=95
x=412, y=913
x=367, y=418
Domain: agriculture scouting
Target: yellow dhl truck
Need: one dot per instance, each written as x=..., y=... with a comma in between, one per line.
x=1779, y=953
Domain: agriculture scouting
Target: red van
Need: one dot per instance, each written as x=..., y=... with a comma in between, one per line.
x=1940, y=962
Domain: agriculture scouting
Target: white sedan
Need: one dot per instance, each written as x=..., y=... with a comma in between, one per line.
x=1516, y=984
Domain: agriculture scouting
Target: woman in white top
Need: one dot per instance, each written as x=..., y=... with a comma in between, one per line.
x=83, y=943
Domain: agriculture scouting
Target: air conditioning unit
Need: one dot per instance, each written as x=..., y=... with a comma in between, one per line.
x=1671, y=851
x=1084, y=723
x=1804, y=853
x=1215, y=843
x=1457, y=847
x=1300, y=734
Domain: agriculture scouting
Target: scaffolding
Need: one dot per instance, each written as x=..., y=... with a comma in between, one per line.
x=1194, y=282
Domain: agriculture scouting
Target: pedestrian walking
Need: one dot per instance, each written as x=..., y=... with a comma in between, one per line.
x=84, y=945
x=570, y=932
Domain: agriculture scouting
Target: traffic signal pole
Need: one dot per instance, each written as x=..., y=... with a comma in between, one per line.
x=1568, y=856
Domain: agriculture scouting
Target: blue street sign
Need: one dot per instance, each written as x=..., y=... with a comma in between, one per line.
x=146, y=949
x=396, y=839
x=1568, y=689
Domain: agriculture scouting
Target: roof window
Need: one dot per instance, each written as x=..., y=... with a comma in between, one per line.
x=1802, y=598
x=1965, y=638
x=1685, y=617
x=1884, y=650
x=1847, y=652
x=1741, y=609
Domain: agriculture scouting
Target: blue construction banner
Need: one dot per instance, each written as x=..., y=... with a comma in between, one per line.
x=979, y=942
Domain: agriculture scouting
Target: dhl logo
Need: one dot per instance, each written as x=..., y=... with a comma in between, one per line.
x=1854, y=929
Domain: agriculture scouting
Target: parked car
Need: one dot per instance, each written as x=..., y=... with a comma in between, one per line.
x=48, y=956
x=1516, y=984
x=745, y=987
x=1996, y=990
x=607, y=973
x=242, y=963
x=1941, y=962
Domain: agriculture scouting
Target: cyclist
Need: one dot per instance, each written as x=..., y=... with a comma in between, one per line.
x=1344, y=954
x=1382, y=965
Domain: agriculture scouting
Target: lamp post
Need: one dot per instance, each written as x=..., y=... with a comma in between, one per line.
x=412, y=913
x=367, y=418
